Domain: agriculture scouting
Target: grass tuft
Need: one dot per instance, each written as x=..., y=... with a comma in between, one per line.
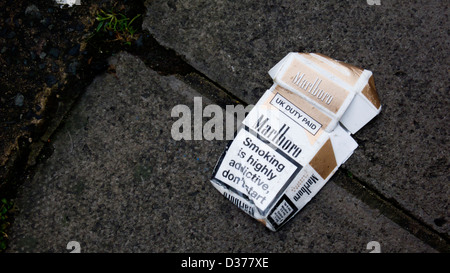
x=6, y=209
x=119, y=24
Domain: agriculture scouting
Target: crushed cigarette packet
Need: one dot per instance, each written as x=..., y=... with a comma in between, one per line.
x=296, y=136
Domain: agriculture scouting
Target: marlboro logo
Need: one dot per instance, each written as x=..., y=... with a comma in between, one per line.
x=276, y=136
x=314, y=82
x=312, y=88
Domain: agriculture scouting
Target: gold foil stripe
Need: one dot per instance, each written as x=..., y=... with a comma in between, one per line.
x=355, y=72
x=324, y=162
x=370, y=92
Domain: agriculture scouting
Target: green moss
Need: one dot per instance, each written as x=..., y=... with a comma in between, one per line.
x=6, y=209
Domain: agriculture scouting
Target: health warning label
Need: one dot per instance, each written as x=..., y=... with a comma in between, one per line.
x=256, y=168
x=282, y=211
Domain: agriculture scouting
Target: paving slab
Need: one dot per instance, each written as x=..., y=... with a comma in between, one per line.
x=403, y=152
x=118, y=182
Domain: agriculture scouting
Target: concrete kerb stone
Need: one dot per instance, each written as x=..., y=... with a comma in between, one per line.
x=403, y=153
x=118, y=182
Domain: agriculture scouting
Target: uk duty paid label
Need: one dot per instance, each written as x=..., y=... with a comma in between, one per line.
x=256, y=168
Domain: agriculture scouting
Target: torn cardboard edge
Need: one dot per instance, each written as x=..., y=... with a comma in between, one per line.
x=296, y=136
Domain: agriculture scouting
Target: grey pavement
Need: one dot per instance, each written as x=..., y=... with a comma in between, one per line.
x=403, y=153
x=118, y=182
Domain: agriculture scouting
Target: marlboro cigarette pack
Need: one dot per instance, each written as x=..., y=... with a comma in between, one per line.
x=296, y=136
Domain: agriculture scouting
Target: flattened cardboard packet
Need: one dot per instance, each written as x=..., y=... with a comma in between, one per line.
x=296, y=136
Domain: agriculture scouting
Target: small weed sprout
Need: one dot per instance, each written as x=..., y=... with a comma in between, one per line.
x=6, y=208
x=119, y=24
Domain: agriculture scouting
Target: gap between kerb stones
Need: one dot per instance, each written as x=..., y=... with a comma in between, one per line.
x=358, y=188
x=166, y=62
x=392, y=210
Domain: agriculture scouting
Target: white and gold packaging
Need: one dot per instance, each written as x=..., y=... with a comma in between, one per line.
x=296, y=136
